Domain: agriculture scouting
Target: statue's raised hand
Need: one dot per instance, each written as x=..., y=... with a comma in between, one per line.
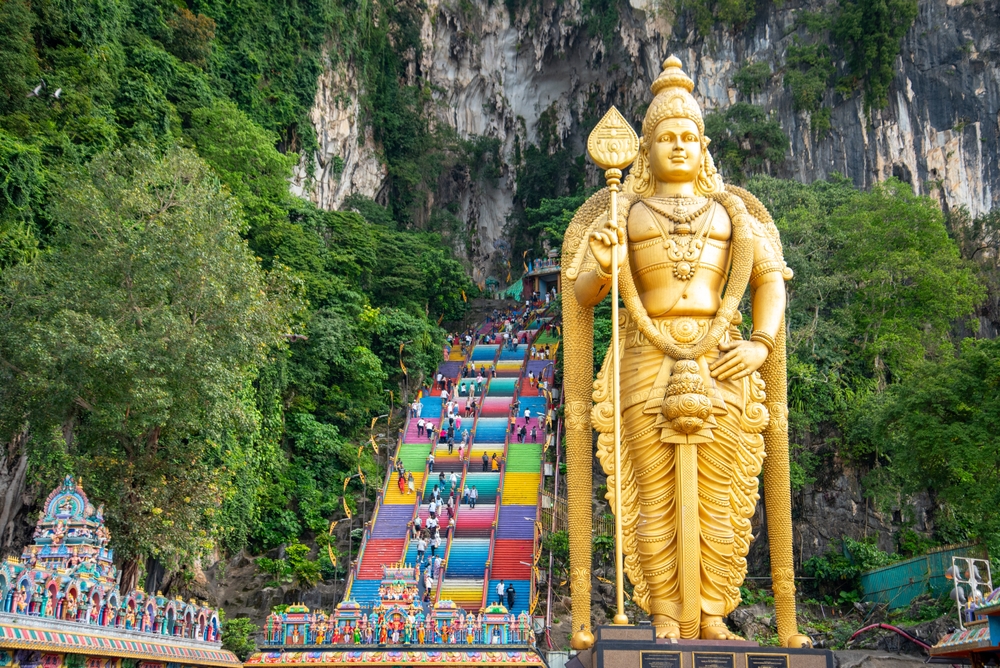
x=604, y=239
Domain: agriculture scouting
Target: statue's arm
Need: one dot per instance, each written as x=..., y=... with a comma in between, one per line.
x=768, y=283
x=591, y=288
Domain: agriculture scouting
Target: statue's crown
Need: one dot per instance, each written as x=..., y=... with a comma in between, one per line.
x=672, y=98
x=672, y=76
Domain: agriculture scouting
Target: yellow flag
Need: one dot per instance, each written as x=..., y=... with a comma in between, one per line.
x=374, y=444
x=347, y=511
x=401, y=365
x=523, y=258
x=361, y=474
x=508, y=276
x=464, y=298
x=329, y=548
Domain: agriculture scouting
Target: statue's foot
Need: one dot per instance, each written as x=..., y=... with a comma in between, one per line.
x=666, y=627
x=713, y=628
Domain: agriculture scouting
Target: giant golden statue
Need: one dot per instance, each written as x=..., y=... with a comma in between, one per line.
x=699, y=406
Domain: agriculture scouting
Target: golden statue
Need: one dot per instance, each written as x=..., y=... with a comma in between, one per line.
x=698, y=406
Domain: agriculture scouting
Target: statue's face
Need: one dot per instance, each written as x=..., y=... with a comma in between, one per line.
x=675, y=151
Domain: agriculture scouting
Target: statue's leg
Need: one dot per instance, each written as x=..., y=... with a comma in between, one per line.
x=654, y=463
x=715, y=478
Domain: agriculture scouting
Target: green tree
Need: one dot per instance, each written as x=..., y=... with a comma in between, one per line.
x=870, y=32
x=238, y=636
x=129, y=347
x=745, y=141
x=936, y=433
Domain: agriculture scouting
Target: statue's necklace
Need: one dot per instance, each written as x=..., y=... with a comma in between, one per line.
x=680, y=215
x=683, y=248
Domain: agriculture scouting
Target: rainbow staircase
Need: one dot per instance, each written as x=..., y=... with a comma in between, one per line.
x=496, y=539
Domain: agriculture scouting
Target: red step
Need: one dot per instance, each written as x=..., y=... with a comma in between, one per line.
x=379, y=551
x=507, y=558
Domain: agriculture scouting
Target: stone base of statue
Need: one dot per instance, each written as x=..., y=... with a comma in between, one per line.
x=637, y=647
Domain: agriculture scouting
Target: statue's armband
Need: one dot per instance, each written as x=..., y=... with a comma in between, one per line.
x=768, y=264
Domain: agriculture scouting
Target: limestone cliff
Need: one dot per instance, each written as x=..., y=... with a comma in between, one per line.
x=494, y=75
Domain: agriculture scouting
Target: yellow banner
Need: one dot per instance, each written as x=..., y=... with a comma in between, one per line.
x=347, y=511
x=464, y=298
x=329, y=548
x=401, y=365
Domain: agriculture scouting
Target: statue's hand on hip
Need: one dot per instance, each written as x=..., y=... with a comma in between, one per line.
x=603, y=240
x=742, y=358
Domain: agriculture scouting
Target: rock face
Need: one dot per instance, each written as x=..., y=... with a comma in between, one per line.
x=495, y=75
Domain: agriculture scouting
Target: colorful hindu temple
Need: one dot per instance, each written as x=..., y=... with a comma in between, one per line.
x=61, y=606
x=397, y=629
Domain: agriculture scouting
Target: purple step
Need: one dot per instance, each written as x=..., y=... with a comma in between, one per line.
x=449, y=369
x=391, y=521
x=513, y=524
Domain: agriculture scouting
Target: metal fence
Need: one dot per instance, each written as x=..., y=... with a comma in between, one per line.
x=898, y=584
x=552, y=506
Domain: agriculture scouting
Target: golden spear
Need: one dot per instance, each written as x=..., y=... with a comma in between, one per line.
x=613, y=146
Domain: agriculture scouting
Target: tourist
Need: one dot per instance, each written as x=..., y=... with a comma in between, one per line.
x=534, y=434
x=430, y=432
x=486, y=462
x=527, y=415
x=444, y=395
x=420, y=408
x=411, y=483
x=416, y=526
x=421, y=548
x=531, y=374
x=440, y=380
x=451, y=439
x=437, y=565
x=461, y=451
x=500, y=592
x=440, y=480
x=479, y=383
x=510, y=597
x=495, y=463
x=473, y=496
x=453, y=480
x=432, y=524
x=420, y=427
x=458, y=421
x=430, y=462
x=465, y=496
x=451, y=527
x=402, y=483
x=435, y=544
x=461, y=390
x=432, y=506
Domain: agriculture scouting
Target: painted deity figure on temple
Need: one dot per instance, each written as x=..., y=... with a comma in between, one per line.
x=693, y=404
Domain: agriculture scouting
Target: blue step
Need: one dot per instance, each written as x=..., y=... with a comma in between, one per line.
x=484, y=353
x=467, y=557
x=516, y=354
x=365, y=591
x=535, y=404
x=491, y=430
x=522, y=592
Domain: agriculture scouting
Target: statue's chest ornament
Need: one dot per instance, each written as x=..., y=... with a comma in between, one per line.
x=683, y=248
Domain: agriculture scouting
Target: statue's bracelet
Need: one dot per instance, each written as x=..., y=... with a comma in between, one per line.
x=601, y=275
x=761, y=336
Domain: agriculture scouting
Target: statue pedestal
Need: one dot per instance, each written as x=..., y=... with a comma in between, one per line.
x=637, y=647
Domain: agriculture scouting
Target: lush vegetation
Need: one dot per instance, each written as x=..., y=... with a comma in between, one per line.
x=203, y=349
